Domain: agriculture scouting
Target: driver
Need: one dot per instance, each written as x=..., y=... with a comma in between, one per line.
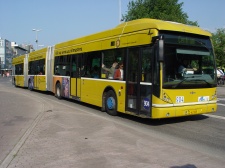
x=185, y=67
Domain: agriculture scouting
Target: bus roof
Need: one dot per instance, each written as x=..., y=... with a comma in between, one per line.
x=37, y=55
x=163, y=25
x=18, y=60
x=140, y=25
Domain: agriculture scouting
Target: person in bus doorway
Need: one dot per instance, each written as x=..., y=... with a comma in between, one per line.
x=111, y=70
x=119, y=72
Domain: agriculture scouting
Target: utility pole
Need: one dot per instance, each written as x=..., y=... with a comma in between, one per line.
x=120, y=19
x=36, y=30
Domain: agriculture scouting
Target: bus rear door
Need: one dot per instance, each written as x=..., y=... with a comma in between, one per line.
x=75, y=76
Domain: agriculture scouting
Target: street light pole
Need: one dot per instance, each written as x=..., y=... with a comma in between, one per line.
x=36, y=30
x=120, y=19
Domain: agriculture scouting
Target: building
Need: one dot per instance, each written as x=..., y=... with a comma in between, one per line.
x=18, y=49
x=8, y=50
x=5, y=56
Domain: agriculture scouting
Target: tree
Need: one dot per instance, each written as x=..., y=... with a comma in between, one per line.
x=169, y=10
x=218, y=39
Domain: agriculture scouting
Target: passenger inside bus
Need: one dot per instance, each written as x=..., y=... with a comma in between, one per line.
x=57, y=70
x=82, y=71
x=111, y=70
x=95, y=72
x=119, y=72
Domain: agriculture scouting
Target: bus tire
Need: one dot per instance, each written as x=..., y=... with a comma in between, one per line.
x=111, y=103
x=58, y=91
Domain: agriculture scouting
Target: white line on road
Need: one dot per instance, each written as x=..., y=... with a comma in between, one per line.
x=221, y=104
x=220, y=99
x=214, y=116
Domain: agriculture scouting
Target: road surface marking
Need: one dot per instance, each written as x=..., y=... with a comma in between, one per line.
x=214, y=116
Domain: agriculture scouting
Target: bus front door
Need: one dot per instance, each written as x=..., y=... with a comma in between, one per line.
x=139, y=86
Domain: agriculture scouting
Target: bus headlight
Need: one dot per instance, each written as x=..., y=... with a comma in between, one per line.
x=214, y=96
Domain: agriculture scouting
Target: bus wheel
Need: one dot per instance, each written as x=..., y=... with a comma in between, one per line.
x=58, y=91
x=111, y=103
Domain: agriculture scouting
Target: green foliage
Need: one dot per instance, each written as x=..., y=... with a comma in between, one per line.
x=218, y=39
x=169, y=10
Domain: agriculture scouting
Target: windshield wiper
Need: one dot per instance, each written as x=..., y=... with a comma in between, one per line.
x=178, y=84
x=209, y=84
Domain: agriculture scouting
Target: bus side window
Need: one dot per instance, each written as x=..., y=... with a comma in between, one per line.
x=57, y=70
x=108, y=58
x=120, y=59
x=21, y=70
x=95, y=72
x=95, y=58
x=42, y=65
x=74, y=66
x=146, y=65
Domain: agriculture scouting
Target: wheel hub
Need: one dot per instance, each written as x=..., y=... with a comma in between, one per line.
x=110, y=103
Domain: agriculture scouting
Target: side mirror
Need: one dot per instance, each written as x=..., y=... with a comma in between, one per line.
x=161, y=49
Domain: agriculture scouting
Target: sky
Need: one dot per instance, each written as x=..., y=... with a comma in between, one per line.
x=62, y=20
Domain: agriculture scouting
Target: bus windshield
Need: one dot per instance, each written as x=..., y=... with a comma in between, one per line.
x=188, y=62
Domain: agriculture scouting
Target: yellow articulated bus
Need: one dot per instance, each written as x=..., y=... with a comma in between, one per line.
x=147, y=68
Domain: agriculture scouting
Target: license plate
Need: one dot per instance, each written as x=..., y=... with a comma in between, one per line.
x=193, y=112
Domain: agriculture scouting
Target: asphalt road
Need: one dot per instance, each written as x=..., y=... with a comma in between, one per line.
x=38, y=130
